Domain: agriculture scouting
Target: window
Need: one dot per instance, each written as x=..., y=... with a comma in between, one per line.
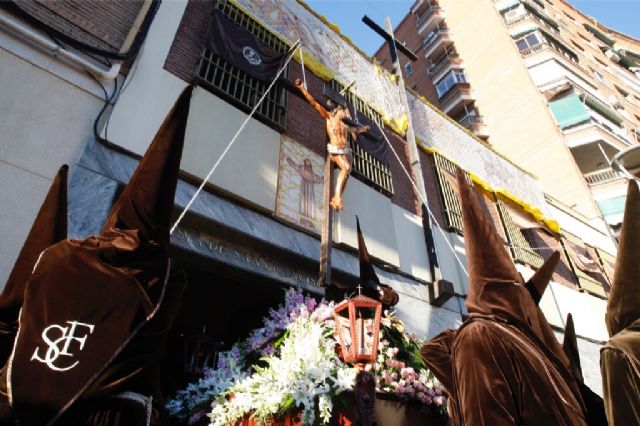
x=408, y=69
x=238, y=87
x=577, y=45
x=585, y=264
x=598, y=76
x=445, y=172
x=520, y=245
x=449, y=80
x=600, y=62
x=364, y=166
x=529, y=40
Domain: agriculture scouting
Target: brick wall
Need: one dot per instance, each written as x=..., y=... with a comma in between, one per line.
x=187, y=45
x=104, y=24
x=432, y=189
x=419, y=81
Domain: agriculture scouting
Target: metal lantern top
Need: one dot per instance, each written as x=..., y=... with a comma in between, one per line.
x=628, y=162
x=357, y=327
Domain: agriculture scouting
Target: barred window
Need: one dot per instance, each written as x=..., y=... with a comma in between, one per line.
x=445, y=172
x=592, y=282
x=364, y=166
x=235, y=85
x=521, y=243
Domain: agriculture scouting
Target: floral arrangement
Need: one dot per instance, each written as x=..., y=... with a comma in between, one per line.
x=290, y=366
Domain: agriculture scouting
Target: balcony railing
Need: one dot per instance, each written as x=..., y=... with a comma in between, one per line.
x=602, y=176
x=427, y=13
x=442, y=62
x=471, y=121
x=533, y=49
x=455, y=91
x=435, y=35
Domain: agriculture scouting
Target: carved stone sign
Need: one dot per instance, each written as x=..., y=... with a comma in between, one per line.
x=244, y=258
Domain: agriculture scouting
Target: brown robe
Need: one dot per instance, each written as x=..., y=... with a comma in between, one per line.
x=620, y=356
x=96, y=311
x=506, y=366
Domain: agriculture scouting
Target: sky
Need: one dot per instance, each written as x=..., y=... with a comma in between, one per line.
x=621, y=15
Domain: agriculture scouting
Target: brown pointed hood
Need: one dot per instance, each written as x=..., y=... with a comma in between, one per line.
x=104, y=291
x=594, y=404
x=146, y=202
x=368, y=277
x=623, y=307
x=49, y=227
x=570, y=348
x=538, y=283
x=495, y=286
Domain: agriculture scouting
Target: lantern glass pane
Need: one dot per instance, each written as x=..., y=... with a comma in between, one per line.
x=345, y=333
x=364, y=329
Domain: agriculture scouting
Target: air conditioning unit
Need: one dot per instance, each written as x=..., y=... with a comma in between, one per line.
x=615, y=102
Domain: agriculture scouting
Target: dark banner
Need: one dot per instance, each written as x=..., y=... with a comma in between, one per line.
x=373, y=141
x=241, y=48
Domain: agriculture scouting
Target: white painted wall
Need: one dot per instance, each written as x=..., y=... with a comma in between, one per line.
x=593, y=234
x=250, y=167
x=376, y=221
x=412, y=248
x=151, y=91
x=447, y=244
x=47, y=112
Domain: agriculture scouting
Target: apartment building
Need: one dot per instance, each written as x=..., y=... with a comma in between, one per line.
x=549, y=87
x=248, y=235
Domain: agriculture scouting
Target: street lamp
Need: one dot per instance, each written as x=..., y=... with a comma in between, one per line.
x=358, y=326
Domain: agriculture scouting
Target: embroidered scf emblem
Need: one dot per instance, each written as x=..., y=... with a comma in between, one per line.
x=251, y=56
x=59, y=340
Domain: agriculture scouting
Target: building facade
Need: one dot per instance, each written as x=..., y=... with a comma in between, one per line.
x=549, y=87
x=255, y=228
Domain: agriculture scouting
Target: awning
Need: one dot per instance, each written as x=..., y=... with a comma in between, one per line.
x=612, y=209
x=569, y=111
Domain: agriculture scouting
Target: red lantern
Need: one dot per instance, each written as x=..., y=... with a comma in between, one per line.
x=358, y=326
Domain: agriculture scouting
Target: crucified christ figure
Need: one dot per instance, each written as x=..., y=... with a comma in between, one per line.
x=338, y=125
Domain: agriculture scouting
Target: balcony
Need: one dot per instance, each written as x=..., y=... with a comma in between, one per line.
x=437, y=42
x=443, y=64
x=602, y=176
x=596, y=130
x=475, y=124
x=456, y=98
x=429, y=20
x=540, y=41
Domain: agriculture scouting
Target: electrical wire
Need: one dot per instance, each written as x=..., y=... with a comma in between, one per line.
x=84, y=47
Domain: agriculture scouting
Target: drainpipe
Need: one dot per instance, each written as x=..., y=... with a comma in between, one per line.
x=53, y=49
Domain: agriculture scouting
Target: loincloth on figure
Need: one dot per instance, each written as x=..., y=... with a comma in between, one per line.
x=345, y=150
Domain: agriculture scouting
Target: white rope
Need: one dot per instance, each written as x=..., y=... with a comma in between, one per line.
x=424, y=202
x=231, y=142
x=304, y=75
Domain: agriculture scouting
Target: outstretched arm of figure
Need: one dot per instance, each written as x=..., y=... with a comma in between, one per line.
x=323, y=112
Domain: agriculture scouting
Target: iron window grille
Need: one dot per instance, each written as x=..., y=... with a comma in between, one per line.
x=520, y=243
x=450, y=201
x=586, y=281
x=238, y=87
x=364, y=166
